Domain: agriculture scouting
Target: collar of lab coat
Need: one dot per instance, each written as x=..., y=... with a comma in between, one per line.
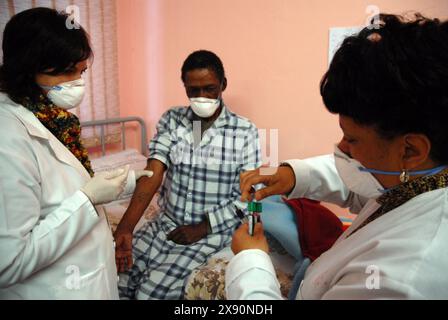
x=36, y=129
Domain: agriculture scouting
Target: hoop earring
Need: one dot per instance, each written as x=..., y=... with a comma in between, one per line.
x=404, y=176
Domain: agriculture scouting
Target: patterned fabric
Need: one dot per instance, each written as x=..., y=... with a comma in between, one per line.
x=63, y=125
x=405, y=192
x=201, y=182
x=208, y=281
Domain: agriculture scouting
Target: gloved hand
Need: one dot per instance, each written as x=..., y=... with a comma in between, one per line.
x=133, y=176
x=141, y=173
x=106, y=186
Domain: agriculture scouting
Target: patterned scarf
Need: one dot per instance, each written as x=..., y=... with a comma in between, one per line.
x=405, y=192
x=63, y=125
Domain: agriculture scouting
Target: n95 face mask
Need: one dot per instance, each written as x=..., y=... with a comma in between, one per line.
x=67, y=95
x=360, y=180
x=356, y=177
x=204, y=107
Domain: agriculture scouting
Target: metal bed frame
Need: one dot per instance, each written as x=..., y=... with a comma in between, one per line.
x=103, y=123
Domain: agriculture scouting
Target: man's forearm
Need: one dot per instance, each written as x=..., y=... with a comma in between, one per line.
x=144, y=191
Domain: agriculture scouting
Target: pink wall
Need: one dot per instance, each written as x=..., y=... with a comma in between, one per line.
x=274, y=53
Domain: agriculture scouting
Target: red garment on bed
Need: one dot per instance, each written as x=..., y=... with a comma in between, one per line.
x=318, y=227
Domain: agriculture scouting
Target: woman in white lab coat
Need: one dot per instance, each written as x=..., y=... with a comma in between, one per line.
x=389, y=87
x=54, y=243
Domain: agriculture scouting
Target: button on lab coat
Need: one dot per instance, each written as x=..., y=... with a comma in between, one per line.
x=54, y=244
x=400, y=255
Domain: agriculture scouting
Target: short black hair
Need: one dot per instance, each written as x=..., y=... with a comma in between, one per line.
x=34, y=41
x=394, y=79
x=203, y=59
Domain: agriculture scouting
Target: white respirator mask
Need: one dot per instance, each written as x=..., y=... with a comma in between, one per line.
x=360, y=179
x=355, y=177
x=204, y=107
x=67, y=95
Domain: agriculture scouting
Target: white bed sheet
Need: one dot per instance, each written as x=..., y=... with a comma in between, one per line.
x=135, y=159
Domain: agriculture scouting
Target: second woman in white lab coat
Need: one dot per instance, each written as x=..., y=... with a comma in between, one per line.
x=389, y=87
x=54, y=242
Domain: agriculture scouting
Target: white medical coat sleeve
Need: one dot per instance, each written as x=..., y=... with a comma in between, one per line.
x=318, y=179
x=28, y=240
x=250, y=275
x=362, y=286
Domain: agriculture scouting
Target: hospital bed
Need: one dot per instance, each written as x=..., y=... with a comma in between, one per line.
x=207, y=281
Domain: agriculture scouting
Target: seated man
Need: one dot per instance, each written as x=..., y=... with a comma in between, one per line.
x=201, y=149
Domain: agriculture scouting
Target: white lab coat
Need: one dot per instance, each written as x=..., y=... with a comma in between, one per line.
x=53, y=243
x=400, y=255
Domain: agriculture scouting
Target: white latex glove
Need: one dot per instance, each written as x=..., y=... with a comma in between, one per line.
x=141, y=173
x=133, y=176
x=106, y=186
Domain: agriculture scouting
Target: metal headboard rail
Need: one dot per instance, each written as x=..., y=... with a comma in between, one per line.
x=103, y=123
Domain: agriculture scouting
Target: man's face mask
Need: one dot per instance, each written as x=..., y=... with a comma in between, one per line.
x=204, y=107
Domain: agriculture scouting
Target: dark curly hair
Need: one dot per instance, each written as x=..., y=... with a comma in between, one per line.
x=394, y=79
x=203, y=59
x=35, y=41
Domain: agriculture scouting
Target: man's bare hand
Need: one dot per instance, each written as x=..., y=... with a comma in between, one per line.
x=123, y=249
x=188, y=234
